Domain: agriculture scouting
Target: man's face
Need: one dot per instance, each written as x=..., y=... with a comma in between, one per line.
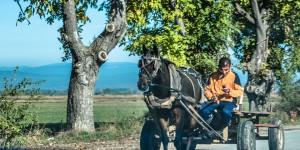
x=224, y=70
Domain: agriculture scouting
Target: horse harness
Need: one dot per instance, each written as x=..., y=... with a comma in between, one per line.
x=143, y=65
x=175, y=85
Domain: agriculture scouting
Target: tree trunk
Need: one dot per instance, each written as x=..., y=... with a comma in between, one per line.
x=258, y=90
x=80, y=96
x=86, y=62
x=260, y=82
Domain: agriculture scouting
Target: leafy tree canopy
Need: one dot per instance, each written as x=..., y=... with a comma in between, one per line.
x=207, y=28
x=189, y=32
x=283, y=22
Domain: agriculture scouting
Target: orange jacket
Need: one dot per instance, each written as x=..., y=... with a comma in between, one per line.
x=215, y=87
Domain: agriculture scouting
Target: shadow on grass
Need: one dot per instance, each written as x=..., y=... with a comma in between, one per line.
x=56, y=128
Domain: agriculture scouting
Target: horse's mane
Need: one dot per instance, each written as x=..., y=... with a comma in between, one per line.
x=167, y=62
x=183, y=68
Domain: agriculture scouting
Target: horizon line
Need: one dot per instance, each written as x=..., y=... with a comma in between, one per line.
x=60, y=63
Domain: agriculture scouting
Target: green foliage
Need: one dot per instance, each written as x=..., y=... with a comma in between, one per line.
x=52, y=10
x=290, y=93
x=207, y=23
x=285, y=36
x=283, y=20
x=279, y=115
x=12, y=113
x=128, y=125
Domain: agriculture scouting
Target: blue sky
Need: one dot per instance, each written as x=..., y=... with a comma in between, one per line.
x=36, y=44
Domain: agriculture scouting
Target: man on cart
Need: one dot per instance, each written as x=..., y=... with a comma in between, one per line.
x=223, y=87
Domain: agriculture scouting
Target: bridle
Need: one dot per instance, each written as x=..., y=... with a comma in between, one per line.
x=144, y=62
x=143, y=65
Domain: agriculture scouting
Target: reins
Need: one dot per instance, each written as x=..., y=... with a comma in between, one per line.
x=179, y=94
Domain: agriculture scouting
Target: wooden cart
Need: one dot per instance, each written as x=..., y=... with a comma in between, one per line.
x=244, y=131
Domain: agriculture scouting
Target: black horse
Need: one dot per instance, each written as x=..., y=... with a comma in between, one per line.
x=164, y=86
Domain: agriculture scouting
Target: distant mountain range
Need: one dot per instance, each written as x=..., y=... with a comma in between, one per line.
x=111, y=75
x=57, y=76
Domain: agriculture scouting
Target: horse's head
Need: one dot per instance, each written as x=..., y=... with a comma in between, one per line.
x=149, y=65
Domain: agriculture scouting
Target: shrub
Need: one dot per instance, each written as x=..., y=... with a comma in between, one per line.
x=290, y=98
x=290, y=93
x=12, y=112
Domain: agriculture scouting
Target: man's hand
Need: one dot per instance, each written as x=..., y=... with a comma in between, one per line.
x=226, y=90
x=214, y=99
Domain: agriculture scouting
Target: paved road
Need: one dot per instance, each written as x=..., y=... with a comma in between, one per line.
x=292, y=142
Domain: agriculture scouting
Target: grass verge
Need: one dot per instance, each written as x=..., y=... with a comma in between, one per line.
x=115, y=117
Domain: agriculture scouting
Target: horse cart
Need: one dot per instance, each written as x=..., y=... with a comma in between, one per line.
x=244, y=131
x=171, y=95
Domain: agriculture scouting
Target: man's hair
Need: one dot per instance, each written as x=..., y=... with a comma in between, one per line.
x=224, y=61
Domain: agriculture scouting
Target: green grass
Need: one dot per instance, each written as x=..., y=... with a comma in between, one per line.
x=113, y=119
x=50, y=112
x=55, y=112
x=111, y=112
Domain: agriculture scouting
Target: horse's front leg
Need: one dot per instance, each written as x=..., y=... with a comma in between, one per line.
x=179, y=117
x=164, y=132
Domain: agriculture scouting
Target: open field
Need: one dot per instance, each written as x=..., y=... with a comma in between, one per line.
x=108, y=108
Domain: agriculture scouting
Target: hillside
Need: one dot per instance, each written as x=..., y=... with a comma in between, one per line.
x=111, y=75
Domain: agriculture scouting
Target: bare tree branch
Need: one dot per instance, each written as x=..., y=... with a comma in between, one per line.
x=256, y=13
x=115, y=29
x=265, y=12
x=70, y=26
x=178, y=20
x=242, y=12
